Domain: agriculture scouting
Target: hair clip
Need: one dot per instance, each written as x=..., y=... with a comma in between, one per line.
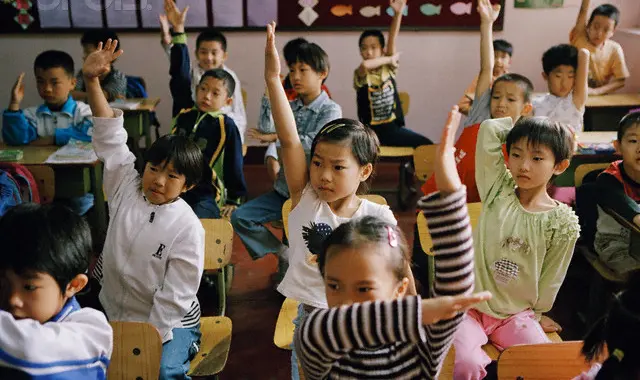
x=331, y=128
x=618, y=354
x=393, y=237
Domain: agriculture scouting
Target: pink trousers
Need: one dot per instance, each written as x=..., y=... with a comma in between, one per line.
x=477, y=329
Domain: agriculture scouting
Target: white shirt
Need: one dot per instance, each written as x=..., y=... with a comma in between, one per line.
x=302, y=281
x=561, y=110
x=153, y=255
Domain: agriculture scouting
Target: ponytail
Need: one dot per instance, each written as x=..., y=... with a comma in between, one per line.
x=594, y=342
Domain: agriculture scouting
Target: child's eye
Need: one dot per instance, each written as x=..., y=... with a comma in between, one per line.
x=511, y=99
x=364, y=289
x=316, y=163
x=173, y=176
x=516, y=155
x=632, y=141
x=338, y=167
x=537, y=158
x=333, y=287
x=153, y=168
x=30, y=288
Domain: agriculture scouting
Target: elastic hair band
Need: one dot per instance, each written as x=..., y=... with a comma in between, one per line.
x=393, y=237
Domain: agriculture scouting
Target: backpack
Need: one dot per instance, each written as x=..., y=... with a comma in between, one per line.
x=25, y=181
x=9, y=192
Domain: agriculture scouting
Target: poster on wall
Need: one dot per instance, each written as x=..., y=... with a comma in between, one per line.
x=538, y=3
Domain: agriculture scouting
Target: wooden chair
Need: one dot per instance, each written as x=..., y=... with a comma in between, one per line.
x=423, y=161
x=542, y=361
x=137, y=350
x=283, y=334
x=405, y=102
x=244, y=97
x=584, y=169
x=45, y=180
x=216, y=331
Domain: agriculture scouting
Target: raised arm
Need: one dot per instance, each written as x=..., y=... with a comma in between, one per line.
x=488, y=15
x=292, y=151
x=490, y=168
x=581, y=88
x=180, y=65
x=95, y=65
x=374, y=63
x=581, y=21
x=394, y=29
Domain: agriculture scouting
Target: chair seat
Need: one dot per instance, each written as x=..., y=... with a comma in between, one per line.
x=214, y=346
x=283, y=336
x=494, y=353
x=603, y=269
x=396, y=151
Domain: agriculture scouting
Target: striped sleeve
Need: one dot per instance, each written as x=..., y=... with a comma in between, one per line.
x=326, y=335
x=450, y=229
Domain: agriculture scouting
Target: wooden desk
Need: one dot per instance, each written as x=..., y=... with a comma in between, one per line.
x=71, y=180
x=137, y=122
x=568, y=177
x=603, y=112
x=597, y=137
x=614, y=100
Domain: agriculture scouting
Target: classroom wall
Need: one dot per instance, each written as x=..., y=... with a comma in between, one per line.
x=435, y=67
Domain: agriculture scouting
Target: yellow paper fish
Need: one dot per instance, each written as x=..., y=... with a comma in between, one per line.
x=342, y=10
x=370, y=11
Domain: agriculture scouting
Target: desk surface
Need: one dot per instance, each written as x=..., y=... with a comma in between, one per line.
x=37, y=155
x=597, y=137
x=614, y=100
x=146, y=104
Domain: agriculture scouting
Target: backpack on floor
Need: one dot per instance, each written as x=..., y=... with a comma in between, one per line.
x=24, y=179
x=9, y=192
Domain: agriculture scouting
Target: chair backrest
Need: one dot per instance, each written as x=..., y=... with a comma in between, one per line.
x=244, y=97
x=404, y=101
x=584, y=169
x=218, y=243
x=137, y=350
x=45, y=181
x=423, y=161
x=425, y=238
x=550, y=361
x=286, y=208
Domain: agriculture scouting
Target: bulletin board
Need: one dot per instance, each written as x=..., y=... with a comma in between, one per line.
x=41, y=16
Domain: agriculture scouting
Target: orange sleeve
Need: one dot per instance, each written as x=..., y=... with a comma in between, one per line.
x=619, y=66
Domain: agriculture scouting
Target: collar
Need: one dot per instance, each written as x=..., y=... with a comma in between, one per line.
x=314, y=106
x=68, y=108
x=68, y=308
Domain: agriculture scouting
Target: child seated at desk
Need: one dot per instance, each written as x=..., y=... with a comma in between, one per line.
x=113, y=82
x=619, y=190
x=607, y=68
x=222, y=186
x=211, y=53
x=46, y=252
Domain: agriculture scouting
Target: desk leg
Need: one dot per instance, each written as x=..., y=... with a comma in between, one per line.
x=98, y=193
x=146, y=128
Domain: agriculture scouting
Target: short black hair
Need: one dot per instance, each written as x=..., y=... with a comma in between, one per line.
x=364, y=142
x=628, y=121
x=563, y=54
x=51, y=59
x=372, y=32
x=503, y=45
x=368, y=229
x=182, y=152
x=224, y=76
x=48, y=238
x=212, y=35
x=607, y=10
x=94, y=36
x=523, y=82
x=313, y=55
x=290, y=49
x=540, y=130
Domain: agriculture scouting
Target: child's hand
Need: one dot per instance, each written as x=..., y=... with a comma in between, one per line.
x=262, y=137
x=488, y=12
x=164, y=29
x=398, y=5
x=227, y=210
x=99, y=62
x=395, y=60
x=445, y=171
x=175, y=16
x=441, y=308
x=549, y=325
x=17, y=93
x=271, y=58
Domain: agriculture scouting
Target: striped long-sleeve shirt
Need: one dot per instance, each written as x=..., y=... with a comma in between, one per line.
x=386, y=339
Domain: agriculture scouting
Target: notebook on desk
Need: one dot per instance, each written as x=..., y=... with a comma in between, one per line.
x=125, y=105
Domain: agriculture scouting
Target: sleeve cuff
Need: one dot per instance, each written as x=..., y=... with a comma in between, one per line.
x=437, y=200
x=179, y=39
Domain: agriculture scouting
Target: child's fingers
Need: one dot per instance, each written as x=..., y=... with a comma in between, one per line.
x=184, y=12
x=19, y=80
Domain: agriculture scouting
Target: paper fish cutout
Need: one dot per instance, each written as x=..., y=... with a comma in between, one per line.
x=391, y=12
x=22, y=4
x=430, y=9
x=308, y=3
x=370, y=11
x=308, y=16
x=461, y=8
x=342, y=10
x=24, y=19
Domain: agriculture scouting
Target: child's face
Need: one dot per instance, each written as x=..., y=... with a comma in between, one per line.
x=304, y=79
x=335, y=173
x=502, y=63
x=533, y=166
x=161, y=183
x=370, y=48
x=211, y=95
x=54, y=85
x=600, y=29
x=210, y=55
x=629, y=147
x=561, y=80
x=34, y=295
x=355, y=274
x=507, y=100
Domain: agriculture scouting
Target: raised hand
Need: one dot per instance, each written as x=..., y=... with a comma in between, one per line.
x=271, y=57
x=441, y=308
x=445, y=171
x=488, y=12
x=175, y=16
x=398, y=5
x=164, y=29
x=99, y=62
x=17, y=93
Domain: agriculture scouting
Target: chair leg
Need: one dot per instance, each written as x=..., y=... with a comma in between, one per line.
x=229, y=271
x=406, y=189
x=222, y=292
